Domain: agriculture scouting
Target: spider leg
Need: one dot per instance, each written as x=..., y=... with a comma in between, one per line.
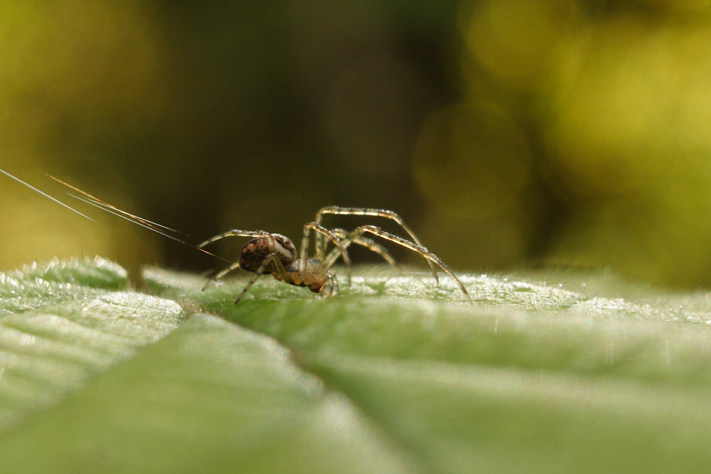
x=377, y=231
x=272, y=257
x=222, y=273
x=331, y=287
x=370, y=245
x=278, y=270
x=319, y=229
x=358, y=211
x=234, y=233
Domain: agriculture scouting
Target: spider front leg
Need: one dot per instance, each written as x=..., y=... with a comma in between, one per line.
x=222, y=273
x=320, y=230
x=235, y=233
x=278, y=271
x=359, y=211
x=377, y=231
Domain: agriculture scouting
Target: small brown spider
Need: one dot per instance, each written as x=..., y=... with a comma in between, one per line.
x=276, y=254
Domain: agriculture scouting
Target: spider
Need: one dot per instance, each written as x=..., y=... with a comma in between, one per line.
x=275, y=254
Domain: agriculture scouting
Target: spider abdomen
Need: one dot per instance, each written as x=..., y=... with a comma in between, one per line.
x=256, y=250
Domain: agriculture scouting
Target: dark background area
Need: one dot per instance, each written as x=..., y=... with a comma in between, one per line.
x=506, y=133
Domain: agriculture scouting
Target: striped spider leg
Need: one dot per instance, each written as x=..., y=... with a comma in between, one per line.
x=331, y=258
x=370, y=245
x=320, y=231
x=275, y=254
x=362, y=211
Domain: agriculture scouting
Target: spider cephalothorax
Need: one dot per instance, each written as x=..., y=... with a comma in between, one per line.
x=276, y=254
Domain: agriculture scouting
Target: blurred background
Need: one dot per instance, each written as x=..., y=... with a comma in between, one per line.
x=505, y=132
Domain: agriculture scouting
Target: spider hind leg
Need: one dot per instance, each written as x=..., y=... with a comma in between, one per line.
x=377, y=231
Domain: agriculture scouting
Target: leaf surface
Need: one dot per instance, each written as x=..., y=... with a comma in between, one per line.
x=548, y=372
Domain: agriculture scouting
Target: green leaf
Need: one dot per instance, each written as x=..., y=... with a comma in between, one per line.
x=534, y=378
x=62, y=323
x=556, y=371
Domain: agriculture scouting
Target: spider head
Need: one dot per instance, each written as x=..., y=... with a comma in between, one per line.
x=256, y=250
